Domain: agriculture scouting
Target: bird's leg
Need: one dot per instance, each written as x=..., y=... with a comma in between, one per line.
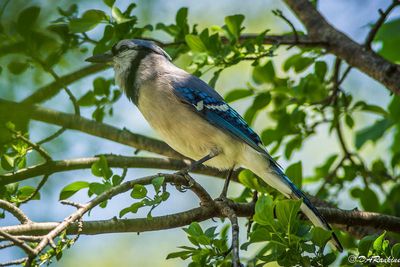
x=185, y=172
x=226, y=184
x=214, y=152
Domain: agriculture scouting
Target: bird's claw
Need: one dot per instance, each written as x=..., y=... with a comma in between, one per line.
x=190, y=181
x=222, y=198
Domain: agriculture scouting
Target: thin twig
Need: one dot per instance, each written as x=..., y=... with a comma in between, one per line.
x=71, y=203
x=33, y=145
x=28, y=250
x=224, y=206
x=30, y=238
x=235, y=239
x=60, y=83
x=14, y=262
x=383, y=16
x=344, y=75
x=52, y=136
x=48, y=91
x=279, y=13
x=7, y=245
x=40, y=185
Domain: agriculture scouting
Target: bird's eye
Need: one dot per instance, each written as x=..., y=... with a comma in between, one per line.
x=123, y=48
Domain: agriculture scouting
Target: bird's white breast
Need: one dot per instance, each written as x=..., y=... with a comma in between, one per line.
x=184, y=130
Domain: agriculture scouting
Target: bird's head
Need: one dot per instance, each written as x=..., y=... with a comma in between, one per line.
x=128, y=50
x=133, y=61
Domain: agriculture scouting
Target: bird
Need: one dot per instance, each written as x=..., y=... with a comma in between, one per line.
x=193, y=119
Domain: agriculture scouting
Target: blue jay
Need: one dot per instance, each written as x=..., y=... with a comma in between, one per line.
x=193, y=118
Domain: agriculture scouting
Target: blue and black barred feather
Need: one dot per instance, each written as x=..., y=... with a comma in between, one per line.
x=220, y=114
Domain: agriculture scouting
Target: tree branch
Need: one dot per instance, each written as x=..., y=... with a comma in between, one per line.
x=92, y=127
x=342, y=46
x=15, y=211
x=333, y=215
x=28, y=250
x=209, y=209
x=47, y=92
x=113, y=161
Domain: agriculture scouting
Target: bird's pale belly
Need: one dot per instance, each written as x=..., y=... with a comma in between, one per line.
x=189, y=134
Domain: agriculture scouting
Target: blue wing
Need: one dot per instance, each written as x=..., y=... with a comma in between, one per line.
x=220, y=114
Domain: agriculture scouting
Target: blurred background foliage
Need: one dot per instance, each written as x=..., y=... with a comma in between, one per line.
x=340, y=142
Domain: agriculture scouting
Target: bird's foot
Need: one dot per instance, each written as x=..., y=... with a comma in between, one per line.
x=223, y=198
x=189, y=181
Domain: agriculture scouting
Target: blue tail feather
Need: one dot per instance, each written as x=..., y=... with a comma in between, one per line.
x=298, y=194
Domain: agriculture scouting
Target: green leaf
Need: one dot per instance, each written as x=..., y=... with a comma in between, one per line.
x=320, y=236
x=26, y=191
x=17, y=67
x=98, y=188
x=7, y=162
x=237, y=94
x=101, y=86
x=320, y=69
x=116, y=179
x=371, y=108
x=286, y=213
x=349, y=121
x=261, y=100
x=396, y=251
x=394, y=109
x=373, y=132
x=270, y=135
x=365, y=244
x=109, y=3
x=248, y=179
x=119, y=16
x=329, y=259
x=181, y=17
x=70, y=11
x=100, y=168
x=264, y=74
x=157, y=183
x=165, y=195
x=295, y=173
x=298, y=63
x=132, y=208
x=264, y=210
x=389, y=36
x=214, y=78
x=194, y=229
x=139, y=191
x=180, y=254
x=234, y=25
x=378, y=243
x=302, y=63
x=87, y=99
x=72, y=188
x=195, y=43
x=369, y=200
x=292, y=145
x=88, y=21
x=27, y=18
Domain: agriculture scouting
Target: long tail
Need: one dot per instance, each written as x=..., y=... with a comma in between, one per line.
x=281, y=182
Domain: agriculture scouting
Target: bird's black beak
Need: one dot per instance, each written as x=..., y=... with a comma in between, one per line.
x=101, y=58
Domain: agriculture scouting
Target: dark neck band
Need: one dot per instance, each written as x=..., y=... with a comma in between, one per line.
x=132, y=89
